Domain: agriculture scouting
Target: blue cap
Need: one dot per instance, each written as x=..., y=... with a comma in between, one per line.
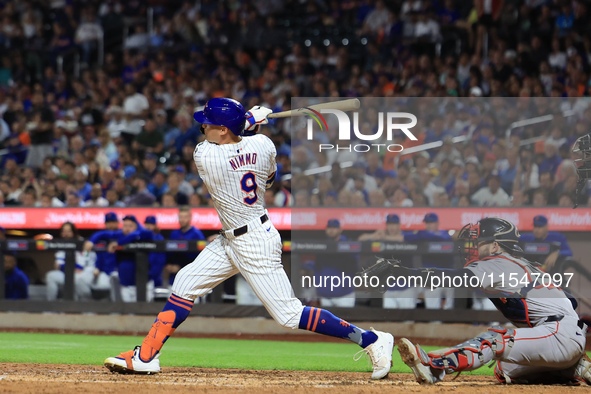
x=283, y=150
x=392, y=218
x=150, y=156
x=391, y=174
x=332, y=193
x=132, y=218
x=10, y=156
x=473, y=111
x=179, y=168
x=431, y=217
x=111, y=217
x=483, y=140
x=540, y=221
x=333, y=223
x=150, y=220
x=308, y=265
x=129, y=171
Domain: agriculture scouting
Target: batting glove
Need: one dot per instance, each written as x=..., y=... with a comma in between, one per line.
x=256, y=117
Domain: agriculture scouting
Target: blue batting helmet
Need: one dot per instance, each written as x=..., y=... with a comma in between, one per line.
x=223, y=112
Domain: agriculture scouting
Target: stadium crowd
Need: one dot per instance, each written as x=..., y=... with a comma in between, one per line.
x=81, y=129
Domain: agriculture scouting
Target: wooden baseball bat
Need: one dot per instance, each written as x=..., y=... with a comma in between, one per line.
x=342, y=105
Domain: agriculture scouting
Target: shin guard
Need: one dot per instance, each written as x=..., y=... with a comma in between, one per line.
x=173, y=314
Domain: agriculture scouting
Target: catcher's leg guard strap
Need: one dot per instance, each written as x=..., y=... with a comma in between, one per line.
x=464, y=356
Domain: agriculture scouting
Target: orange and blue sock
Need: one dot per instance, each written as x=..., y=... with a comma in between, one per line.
x=323, y=322
x=173, y=314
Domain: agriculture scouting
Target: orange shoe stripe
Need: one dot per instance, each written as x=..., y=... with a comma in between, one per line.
x=316, y=320
x=180, y=305
x=310, y=318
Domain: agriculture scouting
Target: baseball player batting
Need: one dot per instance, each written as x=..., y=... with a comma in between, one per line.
x=548, y=345
x=237, y=168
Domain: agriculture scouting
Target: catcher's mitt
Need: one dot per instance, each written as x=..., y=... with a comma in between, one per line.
x=382, y=268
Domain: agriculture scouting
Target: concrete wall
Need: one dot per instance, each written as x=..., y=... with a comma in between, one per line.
x=210, y=325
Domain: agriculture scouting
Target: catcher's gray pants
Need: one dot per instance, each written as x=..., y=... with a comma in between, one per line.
x=547, y=350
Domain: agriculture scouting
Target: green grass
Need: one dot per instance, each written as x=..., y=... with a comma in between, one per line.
x=186, y=352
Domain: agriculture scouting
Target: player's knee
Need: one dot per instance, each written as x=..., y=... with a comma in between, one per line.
x=290, y=319
x=499, y=339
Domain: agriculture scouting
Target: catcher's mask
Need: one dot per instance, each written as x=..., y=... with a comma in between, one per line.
x=583, y=166
x=488, y=230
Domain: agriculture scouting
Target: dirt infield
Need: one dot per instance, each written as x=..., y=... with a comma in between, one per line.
x=44, y=378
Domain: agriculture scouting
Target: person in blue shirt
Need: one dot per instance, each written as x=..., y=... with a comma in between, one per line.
x=106, y=262
x=542, y=234
x=395, y=297
x=185, y=232
x=157, y=260
x=131, y=232
x=433, y=299
x=16, y=281
x=335, y=265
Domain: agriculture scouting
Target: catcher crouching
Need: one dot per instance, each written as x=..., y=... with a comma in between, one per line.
x=548, y=343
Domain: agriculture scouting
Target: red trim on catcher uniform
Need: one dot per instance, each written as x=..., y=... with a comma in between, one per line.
x=545, y=336
x=521, y=265
x=526, y=312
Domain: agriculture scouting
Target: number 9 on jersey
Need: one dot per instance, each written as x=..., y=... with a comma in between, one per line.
x=249, y=185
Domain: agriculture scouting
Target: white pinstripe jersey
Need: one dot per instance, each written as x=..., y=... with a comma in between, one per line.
x=236, y=176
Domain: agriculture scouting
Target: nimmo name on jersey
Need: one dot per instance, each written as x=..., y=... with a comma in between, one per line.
x=242, y=160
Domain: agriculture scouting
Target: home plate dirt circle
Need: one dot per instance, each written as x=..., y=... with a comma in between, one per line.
x=54, y=378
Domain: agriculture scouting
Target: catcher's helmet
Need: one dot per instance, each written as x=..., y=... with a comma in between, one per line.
x=488, y=230
x=223, y=112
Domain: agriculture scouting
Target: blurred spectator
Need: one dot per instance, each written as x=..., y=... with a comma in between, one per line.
x=96, y=198
x=438, y=298
x=539, y=198
x=88, y=34
x=142, y=195
x=40, y=127
x=552, y=159
x=106, y=262
x=84, y=273
x=149, y=139
x=135, y=109
x=400, y=198
x=157, y=261
x=125, y=288
x=391, y=233
x=16, y=282
x=335, y=265
x=541, y=233
x=376, y=21
x=492, y=195
x=185, y=232
x=410, y=49
x=116, y=123
x=546, y=182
